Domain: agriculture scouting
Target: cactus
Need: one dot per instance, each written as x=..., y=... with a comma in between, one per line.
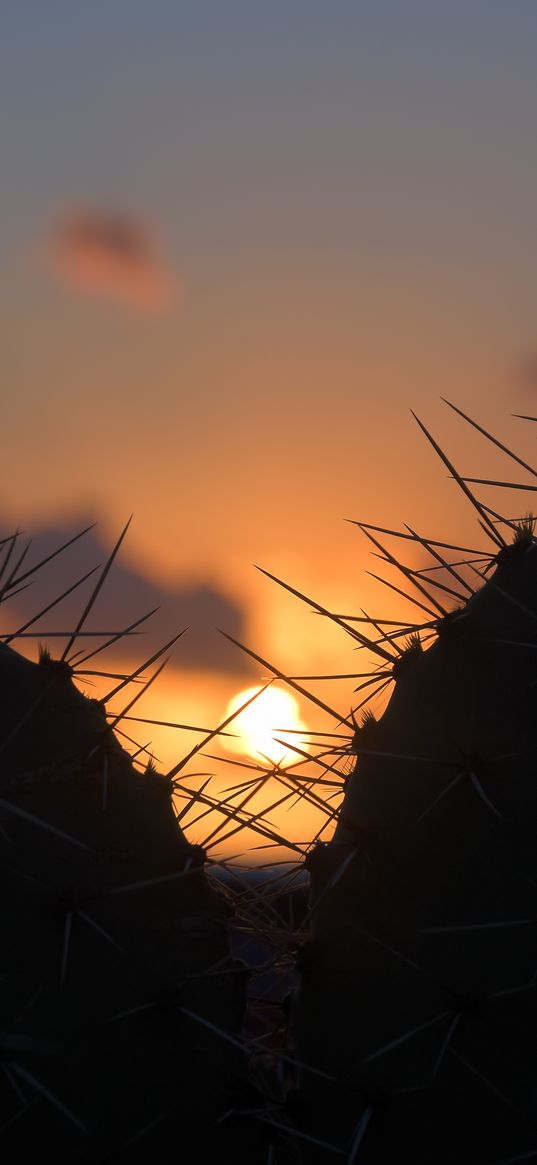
x=117, y=977
x=124, y=1009
x=415, y=1019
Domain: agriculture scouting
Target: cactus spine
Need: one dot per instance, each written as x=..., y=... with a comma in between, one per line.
x=416, y=1014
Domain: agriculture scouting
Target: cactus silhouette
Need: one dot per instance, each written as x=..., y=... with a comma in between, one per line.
x=121, y=1006
x=413, y=1027
x=415, y=1019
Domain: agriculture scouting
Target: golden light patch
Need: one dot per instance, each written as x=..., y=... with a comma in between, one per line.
x=268, y=727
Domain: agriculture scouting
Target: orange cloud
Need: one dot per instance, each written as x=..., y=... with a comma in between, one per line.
x=112, y=254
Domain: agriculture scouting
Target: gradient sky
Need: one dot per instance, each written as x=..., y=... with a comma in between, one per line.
x=344, y=197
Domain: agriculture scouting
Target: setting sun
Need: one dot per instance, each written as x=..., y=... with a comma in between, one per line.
x=271, y=718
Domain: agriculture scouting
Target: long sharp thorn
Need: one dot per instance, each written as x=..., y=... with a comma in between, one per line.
x=459, y=562
x=340, y=676
x=280, y=675
x=258, y=785
x=41, y=1088
x=485, y=530
x=532, y=1155
x=511, y=599
x=475, y=926
x=227, y=1036
x=471, y=1067
x=54, y=554
x=406, y=572
x=308, y=756
x=405, y=756
x=117, y=719
x=146, y=1128
x=476, y=783
x=12, y=540
x=445, y=1043
x=359, y=1134
x=62, y=635
x=404, y=594
x=96, y=590
x=407, y=1036
x=174, y=724
x=253, y=822
x=195, y=797
x=305, y=793
x=215, y=731
x=492, y=533
x=371, y=695
x=439, y=798
x=16, y=634
x=434, y=582
x=494, y=440
x=449, y=566
x=142, y=748
x=501, y=484
x=23, y=813
x=511, y=522
x=11, y=581
x=147, y=663
x=13, y=593
x=324, y=611
x=20, y=1094
x=411, y=538
x=383, y=637
x=107, y=675
x=383, y=623
x=27, y=714
x=390, y=949
x=117, y=635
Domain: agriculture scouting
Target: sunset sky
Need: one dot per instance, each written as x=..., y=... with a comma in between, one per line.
x=239, y=242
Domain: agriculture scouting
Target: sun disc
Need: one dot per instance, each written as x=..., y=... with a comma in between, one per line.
x=271, y=718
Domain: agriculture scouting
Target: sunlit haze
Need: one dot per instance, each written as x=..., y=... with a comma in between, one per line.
x=239, y=243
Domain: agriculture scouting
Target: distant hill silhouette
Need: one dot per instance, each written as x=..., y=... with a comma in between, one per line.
x=127, y=594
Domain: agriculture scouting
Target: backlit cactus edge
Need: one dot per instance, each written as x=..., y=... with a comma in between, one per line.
x=413, y=1026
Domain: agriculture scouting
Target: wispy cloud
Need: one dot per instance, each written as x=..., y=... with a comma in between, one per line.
x=112, y=254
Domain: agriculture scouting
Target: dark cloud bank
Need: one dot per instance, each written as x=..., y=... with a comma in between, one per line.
x=127, y=594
